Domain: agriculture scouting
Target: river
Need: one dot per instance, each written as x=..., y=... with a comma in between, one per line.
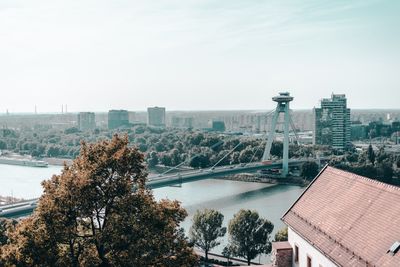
x=271, y=201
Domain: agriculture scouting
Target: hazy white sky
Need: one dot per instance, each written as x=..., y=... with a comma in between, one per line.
x=196, y=55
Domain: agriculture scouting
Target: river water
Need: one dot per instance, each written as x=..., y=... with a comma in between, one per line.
x=228, y=197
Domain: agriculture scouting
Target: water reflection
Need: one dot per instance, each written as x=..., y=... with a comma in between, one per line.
x=228, y=197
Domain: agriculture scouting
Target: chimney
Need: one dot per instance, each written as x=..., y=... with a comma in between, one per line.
x=282, y=254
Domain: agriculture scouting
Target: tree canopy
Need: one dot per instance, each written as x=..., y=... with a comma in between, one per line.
x=249, y=234
x=309, y=170
x=206, y=229
x=98, y=212
x=281, y=235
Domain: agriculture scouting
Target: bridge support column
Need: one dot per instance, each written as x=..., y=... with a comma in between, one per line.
x=283, y=107
x=285, y=162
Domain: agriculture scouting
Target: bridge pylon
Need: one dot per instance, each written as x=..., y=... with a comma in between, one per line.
x=283, y=100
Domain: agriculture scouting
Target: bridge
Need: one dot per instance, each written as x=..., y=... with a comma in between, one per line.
x=25, y=208
x=156, y=181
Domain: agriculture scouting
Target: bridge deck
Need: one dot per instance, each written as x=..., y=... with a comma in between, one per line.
x=25, y=208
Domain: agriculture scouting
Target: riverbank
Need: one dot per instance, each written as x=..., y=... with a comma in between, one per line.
x=251, y=178
x=9, y=200
x=58, y=161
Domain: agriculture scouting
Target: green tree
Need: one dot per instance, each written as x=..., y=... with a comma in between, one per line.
x=228, y=252
x=385, y=171
x=249, y=234
x=98, y=212
x=246, y=155
x=206, y=229
x=281, y=235
x=199, y=161
x=277, y=149
x=3, y=145
x=371, y=154
x=153, y=159
x=309, y=170
x=71, y=130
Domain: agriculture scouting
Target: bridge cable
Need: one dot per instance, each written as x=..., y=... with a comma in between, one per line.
x=180, y=164
x=294, y=130
x=227, y=154
x=266, y=116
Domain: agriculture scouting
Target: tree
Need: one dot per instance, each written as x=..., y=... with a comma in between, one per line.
x=5, y=225
x=153, y=159
x=246, y=155
x=71, y=130
x=206, y=229
x=228, y=252
x=3, y=145
x=371, y=154
x=99, y=212
x=53, y=151
x=281, y=235
x=199, y=161
x=277, y=149
x=352, y=157
x=249, y=234
x=309, y=170
x=385, y=171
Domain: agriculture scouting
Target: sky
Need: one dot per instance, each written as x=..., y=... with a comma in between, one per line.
x=96, y=55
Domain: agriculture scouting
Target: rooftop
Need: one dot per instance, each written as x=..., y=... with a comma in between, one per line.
x=351, y=219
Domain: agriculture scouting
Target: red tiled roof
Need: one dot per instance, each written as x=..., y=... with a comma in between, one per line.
x=351, y=219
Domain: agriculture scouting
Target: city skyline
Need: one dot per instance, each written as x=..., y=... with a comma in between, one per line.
x=191, y=55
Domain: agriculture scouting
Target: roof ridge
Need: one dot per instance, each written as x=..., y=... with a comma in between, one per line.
x=370, y=180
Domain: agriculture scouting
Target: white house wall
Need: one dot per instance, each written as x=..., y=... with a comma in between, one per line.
x=318, y=259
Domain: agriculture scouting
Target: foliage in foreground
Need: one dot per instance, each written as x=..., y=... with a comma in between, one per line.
x=98, y=212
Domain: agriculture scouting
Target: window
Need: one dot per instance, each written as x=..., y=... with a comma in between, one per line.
x=296, y=253
x=309, y=263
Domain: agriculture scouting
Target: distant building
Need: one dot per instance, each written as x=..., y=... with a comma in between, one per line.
x=332, y=123
x=396, y=126
x=156, y=116
x=188, y=122
x=86, y=121
x=182, y=122
x=176, y=121
x=118, y=118
x=358, y=132
x=218, y=126
x=342, y=219
x=132, y=116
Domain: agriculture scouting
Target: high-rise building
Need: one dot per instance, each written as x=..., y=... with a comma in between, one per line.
x=156, y=116
x=118, y=118
x=332, y=123
x=217, y=125
x=86, y=121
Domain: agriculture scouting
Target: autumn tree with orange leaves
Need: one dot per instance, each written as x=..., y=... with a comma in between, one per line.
x=98, y=212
